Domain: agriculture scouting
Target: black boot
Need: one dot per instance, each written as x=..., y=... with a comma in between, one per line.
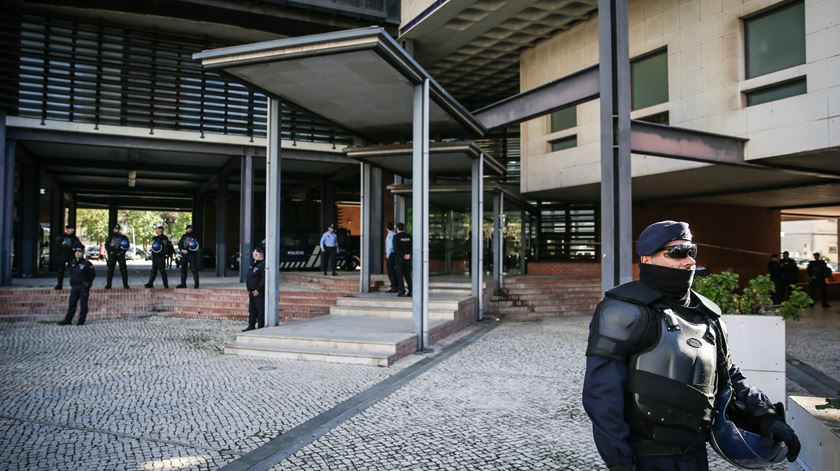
x=195, y=280
x=64, y=322
x=125, y=279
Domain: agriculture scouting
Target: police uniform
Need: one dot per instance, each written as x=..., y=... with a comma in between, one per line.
x=66, y=244
x=255, y=281
x=329, y=244
x=116, y=246
x=818, y=271
x=392, y=260
x=402, y=247
x=81, y=279
x=161, y=248
x=189, y=260
x=655, y=361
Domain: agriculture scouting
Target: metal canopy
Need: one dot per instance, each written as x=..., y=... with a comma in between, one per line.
x=360, y=79
x=445, y=158
x=456, y=196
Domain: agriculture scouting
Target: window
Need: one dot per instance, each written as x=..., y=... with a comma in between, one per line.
x=775, y=39
x=649, y=79
x=658, y=118
x=777, y=91
x=564, y=143
x=564, y=119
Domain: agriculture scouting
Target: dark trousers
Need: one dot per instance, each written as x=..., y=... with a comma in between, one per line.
x=781, y=291
x=256, y=311
x=63, y=264
x=823, y=289
x=113, y=259
x=158, y=265
x=328, y=260
x=403, y=273
x=78, y=294
x=189, y=261
x=695, y=460
x=392, y=270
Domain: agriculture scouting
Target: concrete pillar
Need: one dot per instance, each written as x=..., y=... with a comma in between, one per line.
x=30, y=231
x=246, y=214
x=420, y=214
x=7, y=202
x=221, y=226
x=477, y=237
x=272, y=215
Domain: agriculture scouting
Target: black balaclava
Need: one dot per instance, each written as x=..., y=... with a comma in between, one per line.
x=675, y=283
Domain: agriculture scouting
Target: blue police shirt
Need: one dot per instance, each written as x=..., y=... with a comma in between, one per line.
x=329, y=239
x=389, y=243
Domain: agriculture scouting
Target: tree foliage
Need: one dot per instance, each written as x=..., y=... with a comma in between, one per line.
x=138, y=226
x=92, y=225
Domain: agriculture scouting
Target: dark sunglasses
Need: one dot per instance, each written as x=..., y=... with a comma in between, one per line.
x=681, y=251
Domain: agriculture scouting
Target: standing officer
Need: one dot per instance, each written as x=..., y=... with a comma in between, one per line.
x=818, y=271
x=161, y=248
x=790, y=272
x=116, y=246
x=402, y=252
x=81, y=279
x=255, y=284
x=66, y=243
x=389, y=256
x=188, y=245
x=658, y=371
x=777, y=276
x=329, y=250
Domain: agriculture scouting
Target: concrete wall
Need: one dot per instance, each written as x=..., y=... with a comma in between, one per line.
x=705, y=47
x=410, y=9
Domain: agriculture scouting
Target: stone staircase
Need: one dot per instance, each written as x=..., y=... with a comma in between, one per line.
x=315, y=281
x=366, y=329
x=528, y=297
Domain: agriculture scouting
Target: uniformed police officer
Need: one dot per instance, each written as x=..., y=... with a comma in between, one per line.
x=390, y=257
x=402, y=253
x=116, y=246
x=161, y=248
x=329, y=250
x=67, y=244
x=81, y=279
x=255, y=284
x=188, y=246
x=656, y=359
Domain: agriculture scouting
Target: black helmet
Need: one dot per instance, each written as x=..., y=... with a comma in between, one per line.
x=740, y=446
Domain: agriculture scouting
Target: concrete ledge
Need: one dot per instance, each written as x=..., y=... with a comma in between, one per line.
x=819, y=432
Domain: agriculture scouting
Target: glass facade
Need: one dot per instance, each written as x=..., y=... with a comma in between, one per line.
x=775, y=40
x=649, y=80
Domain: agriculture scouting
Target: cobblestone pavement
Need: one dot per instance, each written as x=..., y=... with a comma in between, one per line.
x=814, y=339
x=151, y=393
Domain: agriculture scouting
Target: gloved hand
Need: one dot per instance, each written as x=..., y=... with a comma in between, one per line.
x=622, y=467
x=773, y=428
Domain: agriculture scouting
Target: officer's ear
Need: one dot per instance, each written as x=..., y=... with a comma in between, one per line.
x=646, y=259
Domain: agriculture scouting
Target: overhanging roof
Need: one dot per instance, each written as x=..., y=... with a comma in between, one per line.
x=445, y=158
x=458, y=196
x=360, y=79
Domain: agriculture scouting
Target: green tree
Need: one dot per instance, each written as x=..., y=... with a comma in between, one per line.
x=92, y=224
x=177, y=222
x=139, y=226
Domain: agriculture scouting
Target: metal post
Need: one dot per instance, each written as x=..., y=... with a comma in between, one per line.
x=246, y=213
x=377, y=221
x=420, y=215
x=7, y=203
x=221, y=226
x=272, y=215
x=365, y=242
x=328, y=210
x=498, y=237
x=71, y=212
x=448, y=246
x=537, y=231
x=616, y=199
x=399, y=203
x=112, y=216
x=477, y=228
x=523, y=238
x=198, y=225
x=30, y=247
x=56, y=223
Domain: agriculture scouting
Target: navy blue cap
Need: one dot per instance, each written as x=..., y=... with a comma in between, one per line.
x=655, y=236
x=79, y=248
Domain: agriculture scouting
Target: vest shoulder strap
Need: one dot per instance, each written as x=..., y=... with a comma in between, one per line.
x=635, y=292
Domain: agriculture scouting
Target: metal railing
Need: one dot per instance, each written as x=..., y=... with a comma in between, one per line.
x=73, y=70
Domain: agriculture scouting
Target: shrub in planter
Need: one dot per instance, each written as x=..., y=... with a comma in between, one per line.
x=755, y=298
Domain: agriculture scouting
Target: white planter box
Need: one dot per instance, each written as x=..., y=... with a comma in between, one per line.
x=757, y=346
x=817, y=431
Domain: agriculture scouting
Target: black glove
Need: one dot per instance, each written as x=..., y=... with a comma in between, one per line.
x=774, y=429
x=622, y=467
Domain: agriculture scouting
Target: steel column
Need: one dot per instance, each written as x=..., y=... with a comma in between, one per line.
x=272, y=215
x=365, y=242
x=420, y=215
x=498, y=237
x=328, y=210
x=221, y=226
x=448, y=245
x=246, y=213
x=56, y=223
x=377, y=221
x=616, y=198
x=7, y=203
x=523, y=248
x=30, y=230
x=477, y=242
x=71, y=212
x=112, y=216
x=399, y=203
x=198, y=225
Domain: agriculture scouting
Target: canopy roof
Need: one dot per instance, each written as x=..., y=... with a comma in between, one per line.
x=452, y=158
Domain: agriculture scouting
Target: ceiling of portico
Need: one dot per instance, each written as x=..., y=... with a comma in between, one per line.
x=472, y=47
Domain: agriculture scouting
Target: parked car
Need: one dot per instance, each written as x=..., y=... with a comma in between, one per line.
x=92, y=252
x=135, y=253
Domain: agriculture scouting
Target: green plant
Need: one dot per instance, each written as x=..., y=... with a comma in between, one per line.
x=755, y=298
x=720, y=288
x=796, y=303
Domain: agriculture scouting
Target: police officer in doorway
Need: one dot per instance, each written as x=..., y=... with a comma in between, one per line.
x=188, y=246
x=255, y=284
x=818, y=271
x=391, y=258
x=161, y=248
x=116, y=246
x=329, y=250
x=402, y=253
x=659, y=380
x=67, y=244
x=81, y=279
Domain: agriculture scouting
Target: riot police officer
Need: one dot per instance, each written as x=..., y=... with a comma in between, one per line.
x=188, y=246
x=255, y=284
x=116, y=246
x=161, y=248
x=658, y=371
x=67, y=244
x=402, y=252
x=81, y=279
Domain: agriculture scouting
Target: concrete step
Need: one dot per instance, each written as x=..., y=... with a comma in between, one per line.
x=393, y=302
x=371, y=358
x=393, y=313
